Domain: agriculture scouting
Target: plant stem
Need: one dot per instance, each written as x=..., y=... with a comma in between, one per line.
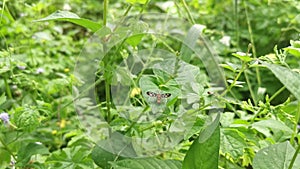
x=250, y=88
x=5, y=147
x=107, y=94
x=105, y=8
x=244, y=66
x=277, y=93
x=252, y=44
x=188, y=11
x=297, y=118
x=294, y=157
x=236, y=18
x=144, y=6
x=8, y=91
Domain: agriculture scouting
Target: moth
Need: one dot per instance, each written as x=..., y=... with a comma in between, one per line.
x=158, y=96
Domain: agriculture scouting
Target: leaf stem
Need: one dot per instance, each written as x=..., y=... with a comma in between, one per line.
x=105, y=8
x=236, y=18
x=5, y=147
x=107, y=94
x=244, y=66
x=277, y=93
x=297, y=118
x=252, y=44
x=187, y=10
x=250, y=88
x=294, y=157
x=8, y=91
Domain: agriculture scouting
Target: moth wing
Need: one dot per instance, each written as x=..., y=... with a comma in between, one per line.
x=165, y=95
x=151, y=94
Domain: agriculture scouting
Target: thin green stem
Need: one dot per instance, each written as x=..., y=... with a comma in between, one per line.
x=250, y=89
x=236, y=18
x=235, y=80
x=252, y=44
x=297, y=118
x=187, y=10
x=294, y=157
x=107, y=94
x=105, y=11
x=144, y=6
x=277, y=93
x=8, y=91
x=7, y=149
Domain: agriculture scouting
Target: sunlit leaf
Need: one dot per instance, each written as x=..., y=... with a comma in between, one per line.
x=71, y=17
x=233, y=142
x=69, y=158
x=203, y=155
x=136, y=1
x=290, y=79
x=276, y=156
x=31, y=149
x=147, y=163
x=273, y=128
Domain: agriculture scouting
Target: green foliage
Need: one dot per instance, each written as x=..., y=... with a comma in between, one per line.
x=275, y=156
x=179, y=63
x=150, y=163
x=203, y=154
x=71, y=17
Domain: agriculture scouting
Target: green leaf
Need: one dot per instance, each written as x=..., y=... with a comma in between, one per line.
x=204, y=155
x=290, y=79
x=209, y=130
x=244, y=57
x=2, y=98
x=188, y=46
x=5, y=157
x=147, y=163
x=71, y=17
x=136, y=1
x=274, y=129
x=196, y=43
x=233, y=142
x=102, y=157
x=276, y=156
x=70, y=158
x=6, y=16
x=294, y=49
x=135, y=39
x=31, y=149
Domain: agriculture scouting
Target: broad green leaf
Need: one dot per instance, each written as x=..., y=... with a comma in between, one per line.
x=147, y=163
x=122, y=75
x=71, y=17
x=102, y=157
x=243, y=57
x=233, y=142
x=209, y=130
x=204, y=155
x=294, y=49
x=135, y=40
x=136, y=1
x=227, y=119
x=195, y=43
x=31, y=149
x=273, y=128
x=276, y=156
x=70, y=158
x=187, y=48
x=290, y=79
x=5, y=157
x=6, y=16
x=2, y=98
x=118, y=144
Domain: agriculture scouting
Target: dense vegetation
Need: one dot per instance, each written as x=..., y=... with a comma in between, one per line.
x=150, y=84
